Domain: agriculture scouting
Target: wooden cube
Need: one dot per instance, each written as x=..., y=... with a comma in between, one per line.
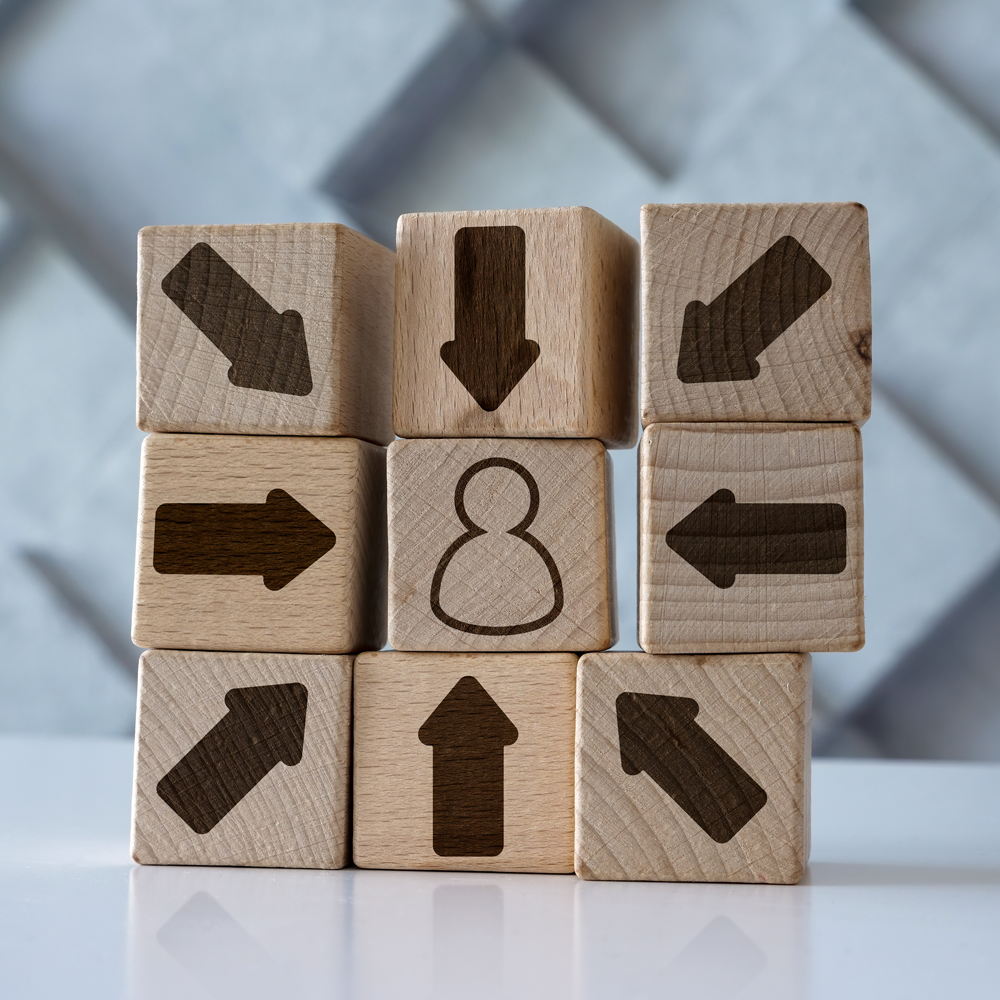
x=693, y=768
x=756, y=312
x=750, y=538
x=281, y=329
x=516, y=324
x=242, y=759
x=258, y=543
x=464, y=761
x=501, y=545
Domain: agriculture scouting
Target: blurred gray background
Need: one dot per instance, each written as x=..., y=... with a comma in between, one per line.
x=115, y=114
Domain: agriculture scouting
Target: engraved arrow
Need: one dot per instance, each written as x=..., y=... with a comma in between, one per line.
x=264, y=726
x=657, y=734
x=720, y=342
x=267, y=349
x=722, y=538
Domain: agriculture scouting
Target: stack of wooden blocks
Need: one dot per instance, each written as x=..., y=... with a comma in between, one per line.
x=277, y=539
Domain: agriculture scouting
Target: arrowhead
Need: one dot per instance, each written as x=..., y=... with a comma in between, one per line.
x=713, y=348
x=277, y=715
x=702, y=538
x=296, y=539
x=487, y=371
x=271, y=353
x=644, y=725
x=468, y=716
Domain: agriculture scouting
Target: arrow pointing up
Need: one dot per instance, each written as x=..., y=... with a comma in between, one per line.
x=720, y=342
x=489, y=354
x=276, y=540
x=264, y=726
x=468, y=732
x=657, y=734
x=721, y=538
x=267, y=349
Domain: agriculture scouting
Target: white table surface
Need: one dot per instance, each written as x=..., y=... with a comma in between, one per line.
x=902, y=899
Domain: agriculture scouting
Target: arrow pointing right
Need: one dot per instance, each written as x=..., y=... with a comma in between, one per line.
x=276, y=540
x=468, y=731
x=264, y=726
x=267, y=349
x=721, y=538
x=490, y=353
x=657, y=734
x=720, y=342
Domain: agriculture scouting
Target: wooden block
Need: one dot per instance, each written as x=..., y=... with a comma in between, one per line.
x=750, y=538
x=242, y=759
x=281, y=329
x=756, y=312
x=464, y=761
x=256, y=543
x=501, y=545
x=516, y=324
x=693, y=768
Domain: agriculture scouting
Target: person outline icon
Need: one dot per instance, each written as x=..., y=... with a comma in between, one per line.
x=520, y=531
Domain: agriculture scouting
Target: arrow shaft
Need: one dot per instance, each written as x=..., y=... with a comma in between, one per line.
x=468, y=800
x=212, y=777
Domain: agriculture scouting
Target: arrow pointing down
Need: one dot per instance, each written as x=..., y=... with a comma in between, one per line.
x=721, y=538
x=264, y=726
x=720, y=342
x=468, y=732
x=277, y=539
x=489, y=354
x=657, y=734
x=267, y=350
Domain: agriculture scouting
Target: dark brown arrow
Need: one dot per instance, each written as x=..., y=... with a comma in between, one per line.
x=720, y=342
x=657, y=734
x=468, y=732
x=722, y=538
x=265, y=726
x=276, y=540
x=267, y=350
x=489, y=354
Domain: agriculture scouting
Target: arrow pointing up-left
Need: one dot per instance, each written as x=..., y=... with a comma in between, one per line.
x=265, y=726
x=276, y=540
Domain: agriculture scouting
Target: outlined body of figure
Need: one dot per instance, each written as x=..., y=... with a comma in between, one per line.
x=523, y=561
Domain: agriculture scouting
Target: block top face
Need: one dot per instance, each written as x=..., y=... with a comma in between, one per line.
x=516, y=323
x=693, y=768
x=499, y=544
x=242, y=759
x=751, y=538
x=278, y=329
x=756, y=312
x=261, y=543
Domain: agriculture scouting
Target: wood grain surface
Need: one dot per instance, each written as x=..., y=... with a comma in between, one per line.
x=397, y=706
x=818, y=369
x=578, y=307
x=500, y=544
x=252, y=589
x=800, y=601
x=645, y=803
x=295, y=815
x=341, y=285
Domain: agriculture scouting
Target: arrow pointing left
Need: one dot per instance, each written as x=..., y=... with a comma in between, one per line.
x=264, y=726
x=276, y=540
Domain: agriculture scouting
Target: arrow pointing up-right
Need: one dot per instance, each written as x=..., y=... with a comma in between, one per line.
x=720, y=342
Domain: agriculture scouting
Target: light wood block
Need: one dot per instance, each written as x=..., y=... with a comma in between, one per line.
x=464, y=762
x=258, y=543
x=516, y=324
x=693, y=768
x=242, y=759
x=283, y=329
x=501, y=545
x=756, y=312
x=750, y=538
